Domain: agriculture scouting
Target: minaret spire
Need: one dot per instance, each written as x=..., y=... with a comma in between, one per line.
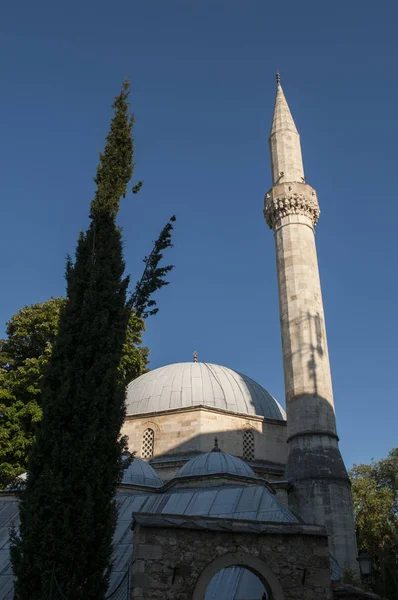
x=284, y=142
x=314, y=466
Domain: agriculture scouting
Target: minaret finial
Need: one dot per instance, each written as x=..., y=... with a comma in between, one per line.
x=278, y=78
x=216, y=448
x=195, y=356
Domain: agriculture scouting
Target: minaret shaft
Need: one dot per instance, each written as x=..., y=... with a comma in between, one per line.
x=304, y=344
x=291, y=210
x=322, y=492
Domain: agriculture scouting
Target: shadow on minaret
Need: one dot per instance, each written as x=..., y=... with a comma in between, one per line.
x=310, y=340
x=312, y=437
x=310, y=343
x=316, y=348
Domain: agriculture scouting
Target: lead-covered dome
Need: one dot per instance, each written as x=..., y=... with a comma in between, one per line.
x=182, y=385
x=215, y=462
x=140, y=473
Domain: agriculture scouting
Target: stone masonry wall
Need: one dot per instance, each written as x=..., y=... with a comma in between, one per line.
x=169, y=562
x=193, y=431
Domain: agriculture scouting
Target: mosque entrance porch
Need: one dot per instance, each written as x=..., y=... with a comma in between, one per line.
x=176, y=557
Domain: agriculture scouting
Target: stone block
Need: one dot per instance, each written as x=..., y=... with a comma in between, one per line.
x=147, y=551
x=318, y=577
x=143, y=580
x=139, y=566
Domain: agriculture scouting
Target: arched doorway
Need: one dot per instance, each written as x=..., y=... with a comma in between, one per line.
x=236, y=583
x=264, y=580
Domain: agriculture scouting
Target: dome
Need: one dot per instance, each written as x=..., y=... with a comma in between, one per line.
x=140, y=473
x=215, y=462
x=182, y=385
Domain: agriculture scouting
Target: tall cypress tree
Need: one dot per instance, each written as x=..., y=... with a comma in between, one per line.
x=68, y=510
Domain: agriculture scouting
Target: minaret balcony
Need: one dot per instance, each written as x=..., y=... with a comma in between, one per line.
x=290, y=198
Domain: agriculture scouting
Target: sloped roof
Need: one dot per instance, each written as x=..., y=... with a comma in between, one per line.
x=249, y=502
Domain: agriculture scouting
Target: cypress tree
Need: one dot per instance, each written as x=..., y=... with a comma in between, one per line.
x=68, y=510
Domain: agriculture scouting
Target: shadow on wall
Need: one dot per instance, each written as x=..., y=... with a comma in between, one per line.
x=316, y=348
x=310, y=339
x=247, y=443
x=309, y=395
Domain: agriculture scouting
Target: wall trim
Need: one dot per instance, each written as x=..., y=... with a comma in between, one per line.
x=318, y=432
x=199, y=407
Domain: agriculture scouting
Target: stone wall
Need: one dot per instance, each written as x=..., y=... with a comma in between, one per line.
x=190, y=431
x=172, y=564
x=328, y=502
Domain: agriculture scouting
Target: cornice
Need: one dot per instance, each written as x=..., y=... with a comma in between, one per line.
x=199, y=407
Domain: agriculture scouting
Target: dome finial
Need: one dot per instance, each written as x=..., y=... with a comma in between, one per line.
x=216, y=448
x=278, y=78
x=195, y=356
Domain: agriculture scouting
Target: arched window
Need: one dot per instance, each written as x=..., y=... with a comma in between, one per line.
x=148, y=443
x=248, y=445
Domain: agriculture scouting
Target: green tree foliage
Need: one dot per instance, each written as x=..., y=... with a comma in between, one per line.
x=154, y=276
x=67, y=509
x=23, y=358
x=375, y=497
x=31, y=333
x=24, y=355
x=134, y=356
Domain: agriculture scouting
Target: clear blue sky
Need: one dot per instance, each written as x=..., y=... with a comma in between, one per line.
x=203, y=80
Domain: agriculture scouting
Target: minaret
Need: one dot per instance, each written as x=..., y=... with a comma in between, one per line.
x=321, y=488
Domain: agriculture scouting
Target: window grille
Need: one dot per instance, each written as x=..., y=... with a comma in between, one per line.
x=148, y=443
x=248, y=445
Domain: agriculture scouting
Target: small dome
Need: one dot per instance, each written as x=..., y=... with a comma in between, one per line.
x=215, y=462
x=17, y=484
x=140, y=472
x=183, y=385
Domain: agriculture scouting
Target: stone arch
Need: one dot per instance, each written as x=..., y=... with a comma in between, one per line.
x=150, y=425
x=239, y=559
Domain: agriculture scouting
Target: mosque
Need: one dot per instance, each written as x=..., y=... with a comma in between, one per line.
x=228, y=497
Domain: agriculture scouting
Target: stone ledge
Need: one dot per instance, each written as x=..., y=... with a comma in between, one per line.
x=222, y=411
x=228, y=525
x=216, y=479
x=350, y=592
